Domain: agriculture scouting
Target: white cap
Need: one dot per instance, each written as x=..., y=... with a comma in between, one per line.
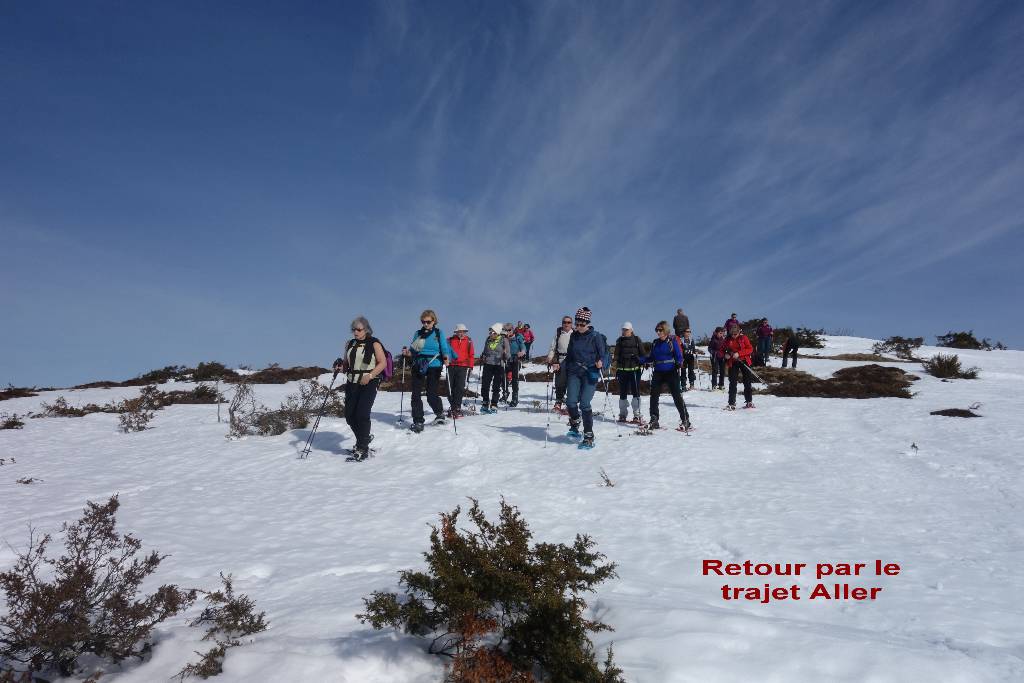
x=627, y=325
x=461, y=328
x=496, y=328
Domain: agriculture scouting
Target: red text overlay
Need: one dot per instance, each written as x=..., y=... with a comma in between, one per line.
x=831, y=577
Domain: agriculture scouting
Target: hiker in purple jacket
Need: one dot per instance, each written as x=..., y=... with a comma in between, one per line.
x=717, y=359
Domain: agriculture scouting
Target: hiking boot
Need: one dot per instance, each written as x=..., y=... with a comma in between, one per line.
x=653, y=424
x=416, y=427
x=359, y=454
x=439, y=420
x=588, y=440
x=729, y=407
x=513, y=403
x=749, y=405
x=622, y=419
x=574, y=429
x=637, y=420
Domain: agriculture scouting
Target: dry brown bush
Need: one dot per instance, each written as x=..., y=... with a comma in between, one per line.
x=862, y=381
x=955, y=412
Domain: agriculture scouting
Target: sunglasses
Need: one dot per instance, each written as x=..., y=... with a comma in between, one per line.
x=426, y=322
x=567, y=322
x=582, y=324
x=359, y=329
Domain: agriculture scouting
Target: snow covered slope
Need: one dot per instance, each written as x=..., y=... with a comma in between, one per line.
x=796, y=480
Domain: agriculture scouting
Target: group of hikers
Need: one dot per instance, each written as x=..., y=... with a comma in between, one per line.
x=578, y=359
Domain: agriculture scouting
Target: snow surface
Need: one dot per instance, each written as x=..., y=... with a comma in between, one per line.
x=797, y=480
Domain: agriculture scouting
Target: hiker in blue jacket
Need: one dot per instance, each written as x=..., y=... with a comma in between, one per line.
x=583, y=363
x=430, y=352
x=665, y=358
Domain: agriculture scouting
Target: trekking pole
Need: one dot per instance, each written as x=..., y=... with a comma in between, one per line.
x=758, y=378
x=605, y=380
x=309, y=441
x=401, y=400
x=547, y=405
x=448, y=374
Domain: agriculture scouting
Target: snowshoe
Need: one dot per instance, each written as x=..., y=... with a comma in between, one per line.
x=637, y=420
x=439, y=420
x=684, y=427
x=622, y=419
x=588, y=441
x=643, y=430
x=574, y=430
x=416, y=427
x=729, y=407
x=358, y=455
x=748, y=406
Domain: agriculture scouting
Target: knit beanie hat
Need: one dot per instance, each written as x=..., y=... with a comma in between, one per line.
x=583, y=315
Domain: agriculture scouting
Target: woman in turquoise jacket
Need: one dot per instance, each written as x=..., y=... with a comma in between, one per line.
x=430, y=352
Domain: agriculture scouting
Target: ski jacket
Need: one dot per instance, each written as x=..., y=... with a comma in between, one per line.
x=431, y=345
x=528, y=336
x=729, y=322
x=516, y=343
x=764, y=330
x=627, y=352
x=792, y=343
x=689, y=347
x=665, y=354
x=464, y=351
x=495, y=350
x=715, y=347
x=583, y=352
x=559, y=345
x=680, y=323
x=740, y=345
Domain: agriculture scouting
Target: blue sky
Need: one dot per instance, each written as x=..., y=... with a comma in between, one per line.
x=235, y=181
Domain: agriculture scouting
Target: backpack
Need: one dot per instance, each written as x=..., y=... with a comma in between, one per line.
x=389, y=367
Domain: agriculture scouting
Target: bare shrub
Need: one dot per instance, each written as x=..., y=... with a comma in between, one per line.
x=134, y=415
x=61, y=408
x=947, y=366
x=242, y=411
x=228, y=618
x=11, y=421
x=85, y=602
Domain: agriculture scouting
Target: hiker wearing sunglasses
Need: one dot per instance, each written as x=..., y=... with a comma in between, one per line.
x=430, y=353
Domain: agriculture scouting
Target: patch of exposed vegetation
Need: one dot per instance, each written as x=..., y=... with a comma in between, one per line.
x=947, y=366
x=862, y=381
x=955, y=412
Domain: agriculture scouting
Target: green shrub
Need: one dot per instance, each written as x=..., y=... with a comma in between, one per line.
x=901, y=347
x=494, y=602
x=85, y=602
x=966, y=340
x=947, y=366
x=61, y=408
x=212, y=371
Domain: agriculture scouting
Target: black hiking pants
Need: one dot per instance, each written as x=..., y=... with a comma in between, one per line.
x=629, y=383
x=785, y=355
x=359, y=400
x=718, y=372
x=689, y=366
x=561, y=381
x=734, y=371
x=490, y=384
x=432, y=379
x=512, y=367
x=671, y=378
x=458, y=376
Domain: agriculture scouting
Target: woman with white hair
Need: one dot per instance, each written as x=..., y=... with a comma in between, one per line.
x=493, y=357
x=363, y=362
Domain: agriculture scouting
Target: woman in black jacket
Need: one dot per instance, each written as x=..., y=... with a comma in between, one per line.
x=628, y=349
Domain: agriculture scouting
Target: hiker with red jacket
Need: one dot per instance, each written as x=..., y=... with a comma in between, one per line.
x=459, y=370
x=528, y=338
x=716, y=348
x=764, y=340
x=737, y=351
